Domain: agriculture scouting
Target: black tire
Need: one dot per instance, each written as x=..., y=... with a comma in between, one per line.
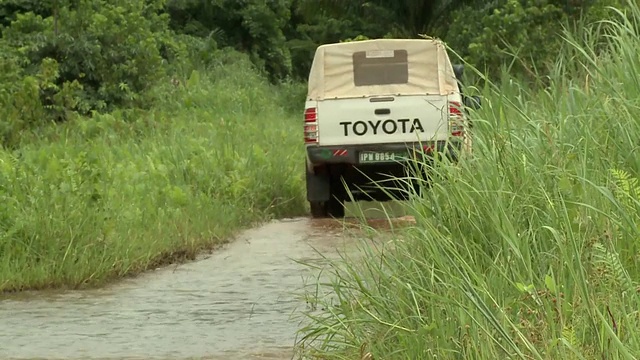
x=318, y=209
x=337, y=195
x=335, y=207
x=329, y=209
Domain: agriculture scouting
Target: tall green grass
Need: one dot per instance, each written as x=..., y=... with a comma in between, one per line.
x=528, y=249
x=95, y=199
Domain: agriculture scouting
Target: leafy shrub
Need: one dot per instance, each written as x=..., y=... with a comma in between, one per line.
x=504, y=32
x=102, y=197
x=252, y=26
x=110, y=48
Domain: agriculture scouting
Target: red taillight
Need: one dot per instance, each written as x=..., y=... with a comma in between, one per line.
x=310, y=115
x=310, y=125
x=456, y=119
x=454, y=108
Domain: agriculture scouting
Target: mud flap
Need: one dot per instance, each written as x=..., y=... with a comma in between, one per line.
x=318, y=187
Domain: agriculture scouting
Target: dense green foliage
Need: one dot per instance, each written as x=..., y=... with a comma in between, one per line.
x=526, y=250
x=97, y=55
x=126, y=126
x=98, y=198
x=138, y=132
x=61, y=58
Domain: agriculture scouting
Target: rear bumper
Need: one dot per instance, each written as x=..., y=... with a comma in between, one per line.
x=350, y=154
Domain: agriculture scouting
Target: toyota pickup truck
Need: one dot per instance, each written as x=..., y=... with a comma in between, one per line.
x=370, y=106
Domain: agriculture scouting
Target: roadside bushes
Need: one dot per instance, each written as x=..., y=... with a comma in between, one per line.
x=93, y=56
x=116, y=155
x=93, y=199
x=523, y=36
x=528, y=30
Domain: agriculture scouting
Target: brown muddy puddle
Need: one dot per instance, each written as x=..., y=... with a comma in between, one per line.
x=241, y=302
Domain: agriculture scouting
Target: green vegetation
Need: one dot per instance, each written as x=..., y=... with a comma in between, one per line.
x=134, y=133
x=93, y=199
x=125, y=144
x=527, y=250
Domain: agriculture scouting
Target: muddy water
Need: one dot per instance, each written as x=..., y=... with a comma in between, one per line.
x=237, y=303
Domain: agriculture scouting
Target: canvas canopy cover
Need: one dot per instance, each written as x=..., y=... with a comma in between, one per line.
x=381, y=67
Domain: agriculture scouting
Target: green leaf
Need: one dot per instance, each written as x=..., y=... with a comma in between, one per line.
x=194, y=79
x=524, y=288
x=550, y=283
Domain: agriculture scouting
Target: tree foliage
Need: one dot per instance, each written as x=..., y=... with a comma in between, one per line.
x=64, y=57
x=487, y=33
x=252, y=26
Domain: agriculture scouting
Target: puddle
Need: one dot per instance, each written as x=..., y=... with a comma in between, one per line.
x=236, y=303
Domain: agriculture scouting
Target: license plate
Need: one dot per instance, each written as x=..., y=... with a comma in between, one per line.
x=381, y=157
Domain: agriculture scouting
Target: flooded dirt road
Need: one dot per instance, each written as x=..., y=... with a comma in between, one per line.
x=238, y=303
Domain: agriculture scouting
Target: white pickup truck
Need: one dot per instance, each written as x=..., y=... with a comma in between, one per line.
x=369, y=105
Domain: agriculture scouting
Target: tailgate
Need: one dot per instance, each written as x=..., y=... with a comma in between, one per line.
x=399, y=119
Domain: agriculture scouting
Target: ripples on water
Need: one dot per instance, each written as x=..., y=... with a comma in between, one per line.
x=236, y=303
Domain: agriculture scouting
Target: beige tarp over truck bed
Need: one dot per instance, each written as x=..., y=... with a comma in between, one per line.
x=429, y=69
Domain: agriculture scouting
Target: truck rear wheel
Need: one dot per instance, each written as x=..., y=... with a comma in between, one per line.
x=335, y=208
x=337, y=195
x=325, y=193
x=325, y=209
x=318, y=209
